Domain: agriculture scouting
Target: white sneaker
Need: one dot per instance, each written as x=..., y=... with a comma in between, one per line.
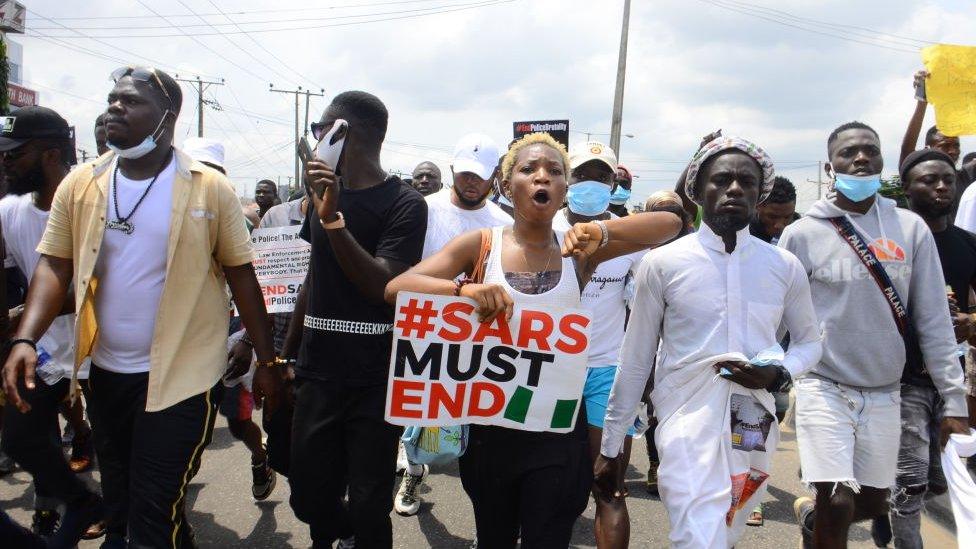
x=401, y=465
x=406, y=502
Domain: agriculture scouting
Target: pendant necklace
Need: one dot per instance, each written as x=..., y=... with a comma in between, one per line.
x=122, y=223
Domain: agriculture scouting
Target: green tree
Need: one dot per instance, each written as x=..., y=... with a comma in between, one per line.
x=4, y=76
x=891, y=188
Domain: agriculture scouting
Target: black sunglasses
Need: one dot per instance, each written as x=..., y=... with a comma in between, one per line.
x=142, y=74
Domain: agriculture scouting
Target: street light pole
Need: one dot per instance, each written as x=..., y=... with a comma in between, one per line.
x=618, y=95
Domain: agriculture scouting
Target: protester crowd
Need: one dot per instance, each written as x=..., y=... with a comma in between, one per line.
x=132, y=299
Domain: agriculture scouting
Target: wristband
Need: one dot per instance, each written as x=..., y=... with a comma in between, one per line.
x=605, y=234
x=458, y=284
x=339, y=223
x=26, y=340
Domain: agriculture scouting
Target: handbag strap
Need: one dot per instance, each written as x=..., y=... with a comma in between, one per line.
x=478, y=275
x=898, y=310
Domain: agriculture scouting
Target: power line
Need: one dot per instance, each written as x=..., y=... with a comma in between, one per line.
x=200, y=87
x=259, y=44
x=264, y=137
x=205, y=46
x=831, y=25
x=232, y=43
x=259, y=22
x=245, y=12
x=128, y=53
x=772, y=19
x=476, y=5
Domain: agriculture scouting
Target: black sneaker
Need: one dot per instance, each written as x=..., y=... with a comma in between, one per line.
x=652, y=479
x=78, y=517
x=881, y=531
x=264, y=480
x=44, y=523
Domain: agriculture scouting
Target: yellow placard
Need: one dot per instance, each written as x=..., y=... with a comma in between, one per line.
x=951, y=87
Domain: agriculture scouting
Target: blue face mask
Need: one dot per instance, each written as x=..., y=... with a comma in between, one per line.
x=620, y=196
x=588, y=198
x=145, y=147
x=857, y=187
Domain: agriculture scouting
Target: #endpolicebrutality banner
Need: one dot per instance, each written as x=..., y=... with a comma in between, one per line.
x=446, y=368
x=281, y=262
x=558, y=129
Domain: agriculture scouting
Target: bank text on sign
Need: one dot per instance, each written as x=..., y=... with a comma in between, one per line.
x=446, y=368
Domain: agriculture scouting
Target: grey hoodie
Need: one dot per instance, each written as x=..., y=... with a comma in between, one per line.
x=862, y=347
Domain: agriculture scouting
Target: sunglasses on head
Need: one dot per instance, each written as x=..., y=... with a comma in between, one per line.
x=142, y=74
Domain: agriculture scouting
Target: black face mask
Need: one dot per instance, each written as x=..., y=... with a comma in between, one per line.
x=30, y=182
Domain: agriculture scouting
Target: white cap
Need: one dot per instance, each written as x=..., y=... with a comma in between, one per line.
x=202, y=149
x=476, y=153
x=582, y=153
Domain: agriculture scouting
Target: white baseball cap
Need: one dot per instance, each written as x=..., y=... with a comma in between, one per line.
x=476, y=153
x=582, y=153
x=202, y=149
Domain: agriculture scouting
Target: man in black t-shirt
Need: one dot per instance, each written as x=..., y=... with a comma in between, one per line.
x=365, y=228
x=929, y=178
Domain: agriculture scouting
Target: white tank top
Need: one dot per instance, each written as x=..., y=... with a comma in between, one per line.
x=565, y=294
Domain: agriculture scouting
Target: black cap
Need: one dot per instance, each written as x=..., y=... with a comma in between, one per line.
x=28, y=123
x=919, y=156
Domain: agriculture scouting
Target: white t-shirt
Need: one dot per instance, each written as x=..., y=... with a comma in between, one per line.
x=604, y=297
x=445, y=221
x=23, y=225
x=131, y=270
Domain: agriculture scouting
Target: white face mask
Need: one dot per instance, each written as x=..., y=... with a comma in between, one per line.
x=145, y=147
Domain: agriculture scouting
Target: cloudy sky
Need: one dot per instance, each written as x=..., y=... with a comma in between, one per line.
x=782, y=73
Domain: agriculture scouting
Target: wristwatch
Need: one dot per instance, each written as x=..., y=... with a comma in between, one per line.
x=339, y=223
x=783, y=380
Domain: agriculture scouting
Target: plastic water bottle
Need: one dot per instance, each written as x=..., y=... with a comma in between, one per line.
x=49, y=372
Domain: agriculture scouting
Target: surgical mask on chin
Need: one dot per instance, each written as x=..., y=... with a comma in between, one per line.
x=857, y=187
x=142, y=149
x=620, y=196
x=588, y=198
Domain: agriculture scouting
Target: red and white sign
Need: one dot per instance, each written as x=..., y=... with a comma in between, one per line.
x=447, y=368
x=281, y=262
x=21, y=96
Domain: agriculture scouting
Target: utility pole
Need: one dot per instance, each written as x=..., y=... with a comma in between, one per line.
x=307, y=94
x=84, y=155
x=201, y=85
x=618, y=94
x=819, y=180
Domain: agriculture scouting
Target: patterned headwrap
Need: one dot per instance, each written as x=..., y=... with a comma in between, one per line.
x=661, y=197
x=724, y=143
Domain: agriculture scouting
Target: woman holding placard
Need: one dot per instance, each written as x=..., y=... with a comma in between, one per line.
x=533, y=484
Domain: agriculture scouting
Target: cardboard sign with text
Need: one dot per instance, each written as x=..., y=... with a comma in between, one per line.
x=448, y=369
x=281, y=262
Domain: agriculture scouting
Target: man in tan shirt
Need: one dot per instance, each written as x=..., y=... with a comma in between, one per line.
x=149, y=238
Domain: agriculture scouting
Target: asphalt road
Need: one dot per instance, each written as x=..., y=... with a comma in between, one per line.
x=224, y=515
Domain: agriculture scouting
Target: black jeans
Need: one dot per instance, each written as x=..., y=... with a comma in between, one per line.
x=341, y=442
x=147, y=459
x=32, y=440
x=533, y=484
